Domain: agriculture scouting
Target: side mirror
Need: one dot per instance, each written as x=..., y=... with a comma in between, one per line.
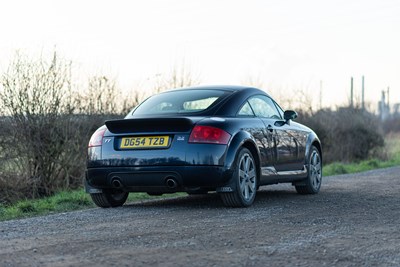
x=289, y=115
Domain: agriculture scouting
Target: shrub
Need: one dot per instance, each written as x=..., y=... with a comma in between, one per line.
x=43, y=133
x=392, y=124
x=346, y=134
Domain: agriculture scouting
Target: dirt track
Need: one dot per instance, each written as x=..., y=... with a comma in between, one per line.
x=354, y=221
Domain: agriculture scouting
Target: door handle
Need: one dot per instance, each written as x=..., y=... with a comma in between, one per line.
x=269, y=128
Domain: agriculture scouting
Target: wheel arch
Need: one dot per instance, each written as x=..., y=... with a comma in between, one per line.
x=312, y=140
x=243, y=139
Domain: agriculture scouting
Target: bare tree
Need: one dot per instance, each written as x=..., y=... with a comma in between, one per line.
x=131, y=99
x=179, y=76
x=254, y=81
x=32, y=99
x=102, y=95
x=44, y=134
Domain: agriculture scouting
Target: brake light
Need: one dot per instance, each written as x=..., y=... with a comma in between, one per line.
x=208, y=134
x=97, y=137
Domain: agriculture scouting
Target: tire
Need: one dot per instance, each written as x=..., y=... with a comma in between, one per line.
x=312, y=184
x=109, y=199
x=245, y=178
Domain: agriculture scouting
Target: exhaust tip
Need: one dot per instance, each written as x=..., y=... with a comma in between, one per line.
x=171, y=183
x=116, y=182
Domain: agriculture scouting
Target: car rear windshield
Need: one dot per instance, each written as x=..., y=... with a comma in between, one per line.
x=176, y=102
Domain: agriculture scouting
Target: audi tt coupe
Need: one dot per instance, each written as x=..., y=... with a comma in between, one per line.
x=227, y=139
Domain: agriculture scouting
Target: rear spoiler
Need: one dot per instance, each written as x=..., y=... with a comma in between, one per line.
x=149, y=125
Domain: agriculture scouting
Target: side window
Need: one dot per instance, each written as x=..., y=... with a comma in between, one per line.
x=264, y=107
x=246, y=110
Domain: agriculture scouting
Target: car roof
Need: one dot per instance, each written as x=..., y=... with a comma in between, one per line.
x=215, y=87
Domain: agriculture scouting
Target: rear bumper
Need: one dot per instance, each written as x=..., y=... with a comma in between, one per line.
x=154, y=179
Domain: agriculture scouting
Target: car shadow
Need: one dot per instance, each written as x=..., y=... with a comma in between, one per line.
x=213, y=200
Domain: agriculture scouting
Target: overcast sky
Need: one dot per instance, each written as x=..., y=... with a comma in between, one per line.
x=287, y=44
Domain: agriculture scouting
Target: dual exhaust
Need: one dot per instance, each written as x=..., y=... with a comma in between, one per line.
x=170, y=182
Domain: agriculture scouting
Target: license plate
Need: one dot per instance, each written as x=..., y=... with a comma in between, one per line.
x=144, y=142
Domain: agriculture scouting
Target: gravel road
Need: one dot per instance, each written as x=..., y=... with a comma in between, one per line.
x=354, y=221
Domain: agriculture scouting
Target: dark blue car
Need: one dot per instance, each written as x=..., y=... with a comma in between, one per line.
x=227, y=139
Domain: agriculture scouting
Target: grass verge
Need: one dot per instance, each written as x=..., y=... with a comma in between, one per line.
x=366, y=165
x=61, y=202
x=392, y=148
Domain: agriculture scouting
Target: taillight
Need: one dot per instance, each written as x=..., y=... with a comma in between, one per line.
x=208, y=134
x=97, y=137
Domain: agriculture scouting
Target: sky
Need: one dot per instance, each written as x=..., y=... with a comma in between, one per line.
x=287, y=45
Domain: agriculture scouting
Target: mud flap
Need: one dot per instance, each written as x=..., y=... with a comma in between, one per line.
x=302, y=182
x=229, y=187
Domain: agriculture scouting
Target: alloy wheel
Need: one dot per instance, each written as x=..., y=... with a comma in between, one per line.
x=247, y=176
x=315, y=170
